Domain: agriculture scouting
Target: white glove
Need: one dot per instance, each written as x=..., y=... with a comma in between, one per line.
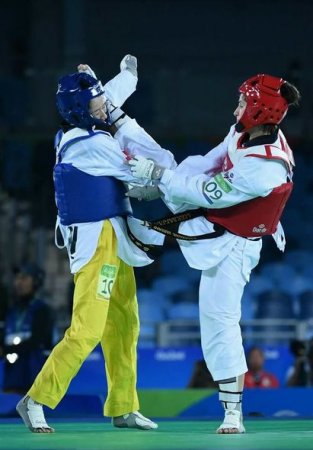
x=129, y=62
x=87, y=69
x=147, y=193
x=145, y=168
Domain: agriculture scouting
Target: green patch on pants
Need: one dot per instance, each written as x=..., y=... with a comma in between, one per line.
x=106, y=281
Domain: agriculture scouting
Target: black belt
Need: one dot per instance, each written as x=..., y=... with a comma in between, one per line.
x=165, y=226
x=141, y=245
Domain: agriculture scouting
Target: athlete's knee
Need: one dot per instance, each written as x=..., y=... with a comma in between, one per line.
x=85, y=334
x=221, y=316
x=134, y=322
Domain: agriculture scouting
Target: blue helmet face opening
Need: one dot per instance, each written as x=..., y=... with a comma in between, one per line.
x=73, y=96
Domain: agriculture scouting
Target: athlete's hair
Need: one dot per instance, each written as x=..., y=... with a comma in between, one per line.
x=290, y=93
x=292, y=96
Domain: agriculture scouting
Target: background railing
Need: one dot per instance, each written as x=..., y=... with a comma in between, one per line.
x=255, y=331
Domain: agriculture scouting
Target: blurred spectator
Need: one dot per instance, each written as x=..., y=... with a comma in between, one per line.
x=28, y=331
x=299, y=373
x=310, y=360
x=201, y=377
x=3, y=308
x=256, y=375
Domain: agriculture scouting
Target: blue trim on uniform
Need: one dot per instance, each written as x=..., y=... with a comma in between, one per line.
x=81, y=197
x=57, y=138
x=77, y=139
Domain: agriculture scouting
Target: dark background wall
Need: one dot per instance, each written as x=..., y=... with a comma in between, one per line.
x=192, y=57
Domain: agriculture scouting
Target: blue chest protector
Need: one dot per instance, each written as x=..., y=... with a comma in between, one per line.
x=81, y=197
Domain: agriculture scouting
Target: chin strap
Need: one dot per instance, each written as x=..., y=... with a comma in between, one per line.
x=117, y=117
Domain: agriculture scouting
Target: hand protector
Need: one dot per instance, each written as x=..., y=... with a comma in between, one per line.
x=129, y=62
x=86, y=69
x=145, y=168
x=146, y=193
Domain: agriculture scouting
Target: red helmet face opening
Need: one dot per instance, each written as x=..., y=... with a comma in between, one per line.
x=265, y=104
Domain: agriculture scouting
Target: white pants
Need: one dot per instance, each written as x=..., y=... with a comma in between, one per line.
x=221, y=289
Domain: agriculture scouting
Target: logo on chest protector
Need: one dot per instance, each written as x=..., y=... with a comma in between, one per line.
x=260, y=228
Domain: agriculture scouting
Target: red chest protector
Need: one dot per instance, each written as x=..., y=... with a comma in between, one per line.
x=253, y=218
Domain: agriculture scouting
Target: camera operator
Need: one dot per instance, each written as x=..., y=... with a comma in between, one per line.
x=300, y=373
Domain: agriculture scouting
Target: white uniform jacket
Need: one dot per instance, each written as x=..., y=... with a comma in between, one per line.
x=248, y=174
x=101, y=155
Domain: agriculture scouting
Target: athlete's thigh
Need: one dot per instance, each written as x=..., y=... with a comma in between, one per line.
x=94, y=282
x=123, y=311
x=221, y=287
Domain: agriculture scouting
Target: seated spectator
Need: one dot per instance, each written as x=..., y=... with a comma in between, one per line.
x=3, y=308
x=28, y=331
x=299, y=373
x=257, y=377
x=201, y=377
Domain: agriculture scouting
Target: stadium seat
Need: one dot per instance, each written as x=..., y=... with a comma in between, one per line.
x=173, y=262
x=150, y=314
x=279, y=306
x=147, y=336
x=171, y=284
x=296, y=285
x=274, y=305
x=278, y=272
x=259, y=284
x=300, y=259
x=308, y=272
x=183, y=310
x=248, y=306
x=306, y=305
x=145, y=295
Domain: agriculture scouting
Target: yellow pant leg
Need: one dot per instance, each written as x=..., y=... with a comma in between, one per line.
x=90, y=309
x=119, y=344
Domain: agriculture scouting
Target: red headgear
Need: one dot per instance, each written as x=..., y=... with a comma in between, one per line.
x=265, y=103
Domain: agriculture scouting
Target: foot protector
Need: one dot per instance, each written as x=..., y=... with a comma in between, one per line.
x=134, y=420
x=232, y=423
x=32, y=414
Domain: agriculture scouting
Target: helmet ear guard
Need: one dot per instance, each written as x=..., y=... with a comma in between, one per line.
x=73, y=96
x=265, y=104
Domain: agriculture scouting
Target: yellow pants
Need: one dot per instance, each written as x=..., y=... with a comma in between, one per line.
x=105, y=310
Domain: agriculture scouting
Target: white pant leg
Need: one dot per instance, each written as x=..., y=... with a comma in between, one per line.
x=221, y=289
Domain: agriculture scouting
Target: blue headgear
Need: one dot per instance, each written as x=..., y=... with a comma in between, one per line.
x=73, y=96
